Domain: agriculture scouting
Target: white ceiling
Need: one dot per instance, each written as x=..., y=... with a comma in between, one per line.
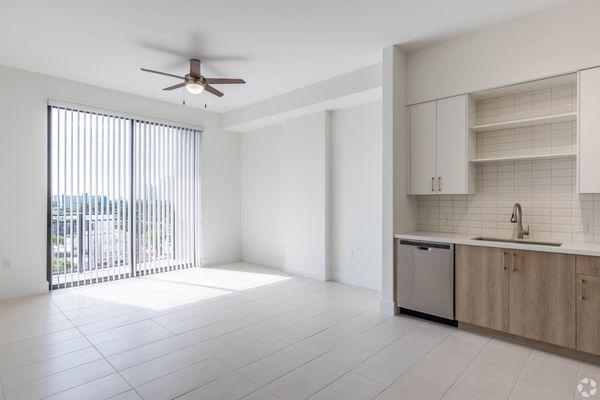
x=276, y=45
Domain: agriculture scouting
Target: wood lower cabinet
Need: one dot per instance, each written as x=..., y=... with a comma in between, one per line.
x=526, y=293
x=588, y=304
x=482, y=286
x=542, y=297
x=588, y=314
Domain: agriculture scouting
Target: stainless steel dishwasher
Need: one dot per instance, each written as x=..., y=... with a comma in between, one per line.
x=425, y=280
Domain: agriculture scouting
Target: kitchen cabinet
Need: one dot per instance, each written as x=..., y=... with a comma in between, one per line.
x=482, y=286
x=588, y=314
x=423, y=148
x=542, y=297
x=439, y=138
x=588, y=304
x=588, y=163
x=526, y=293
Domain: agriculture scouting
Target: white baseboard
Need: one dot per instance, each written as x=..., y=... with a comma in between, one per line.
x=305, y=272
x=388, y=307
x=208, y=261
x=20, y=291
x=353, y=280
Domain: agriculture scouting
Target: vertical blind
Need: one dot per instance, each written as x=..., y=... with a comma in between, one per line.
x=124, y=196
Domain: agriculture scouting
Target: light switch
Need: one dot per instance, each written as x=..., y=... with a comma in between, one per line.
x=581, y=225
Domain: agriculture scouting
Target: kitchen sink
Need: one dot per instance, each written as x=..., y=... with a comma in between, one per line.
x=520, y=241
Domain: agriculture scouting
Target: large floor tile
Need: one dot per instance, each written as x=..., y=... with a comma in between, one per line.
x=60, y=382
x=547, y=380
x=350, y=387
x=307, y=380
x=21, y=376
x=32, y=356
x=182, y=381
x=275, y=365
x=153, y=369
x=326, y=340
x=394, y=360
x=362, y=347
x=260, y=394
x=100, y=389
x=250, y=352
x=129, y=395
x=139, y=339
x=141, y=354
x=492, y=374
x=229, y=387
x=39, y=342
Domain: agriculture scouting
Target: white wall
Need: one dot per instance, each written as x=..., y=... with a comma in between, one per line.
x=355, y=215
x=305, y=195
x=263, y=239
x=554, y=41
x=285, y=221
x=23, y=172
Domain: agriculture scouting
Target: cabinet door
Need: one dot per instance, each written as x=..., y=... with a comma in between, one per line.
x=588, y=167
x=451, y=130
x=542, y=297
x=588, y=314
x=422, y=148
x=482, y=286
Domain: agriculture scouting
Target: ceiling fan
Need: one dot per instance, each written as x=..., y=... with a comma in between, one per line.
x=194, y=82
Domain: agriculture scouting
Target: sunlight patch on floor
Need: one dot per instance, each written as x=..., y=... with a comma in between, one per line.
x=177, y=288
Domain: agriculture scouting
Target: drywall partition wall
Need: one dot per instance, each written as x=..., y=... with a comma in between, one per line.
x=398, y=210
x=305, y=195
x=355, y=210
x=23, y=172
x=263, y=236
x=554, y=41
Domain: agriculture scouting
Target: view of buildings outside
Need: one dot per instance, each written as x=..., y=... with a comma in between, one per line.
x=90, y=234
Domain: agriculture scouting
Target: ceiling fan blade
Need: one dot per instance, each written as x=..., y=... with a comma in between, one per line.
x=179, y=85
x=212, y=90
x=222, y=81
x=162, y=73
x=195, y=68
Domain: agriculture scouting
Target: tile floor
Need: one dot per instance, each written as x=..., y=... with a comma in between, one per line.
x=242, y=331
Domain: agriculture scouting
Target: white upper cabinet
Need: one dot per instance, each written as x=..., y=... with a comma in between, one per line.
x=588, y=166
x=422, y=148
x=439, y=160
x=452, y=157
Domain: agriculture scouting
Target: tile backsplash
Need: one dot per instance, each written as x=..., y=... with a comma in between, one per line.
x=545, y=188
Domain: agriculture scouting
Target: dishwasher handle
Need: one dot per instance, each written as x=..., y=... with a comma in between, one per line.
x=425, y=246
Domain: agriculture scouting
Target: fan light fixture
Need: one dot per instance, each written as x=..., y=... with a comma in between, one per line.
x=194, y=88
x=194, y=82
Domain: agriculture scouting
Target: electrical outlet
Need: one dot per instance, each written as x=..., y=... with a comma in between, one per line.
x=6, y=264
x=581, y=225
x=444, y=219
x=352, y=254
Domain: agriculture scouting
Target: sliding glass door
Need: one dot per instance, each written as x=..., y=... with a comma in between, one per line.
x=123, y=196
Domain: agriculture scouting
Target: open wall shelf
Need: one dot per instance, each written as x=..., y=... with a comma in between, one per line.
x=519, y=123
x=524, y=157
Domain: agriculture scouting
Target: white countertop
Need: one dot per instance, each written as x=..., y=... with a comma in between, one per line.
x=583, y=249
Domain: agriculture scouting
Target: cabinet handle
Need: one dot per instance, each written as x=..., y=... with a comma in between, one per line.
x=582, y=297
x=439, y=183
x=514, y=262
x=433, y=184
x=505, y=260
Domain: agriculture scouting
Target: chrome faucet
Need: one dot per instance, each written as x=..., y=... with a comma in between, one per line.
x=517, y=218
